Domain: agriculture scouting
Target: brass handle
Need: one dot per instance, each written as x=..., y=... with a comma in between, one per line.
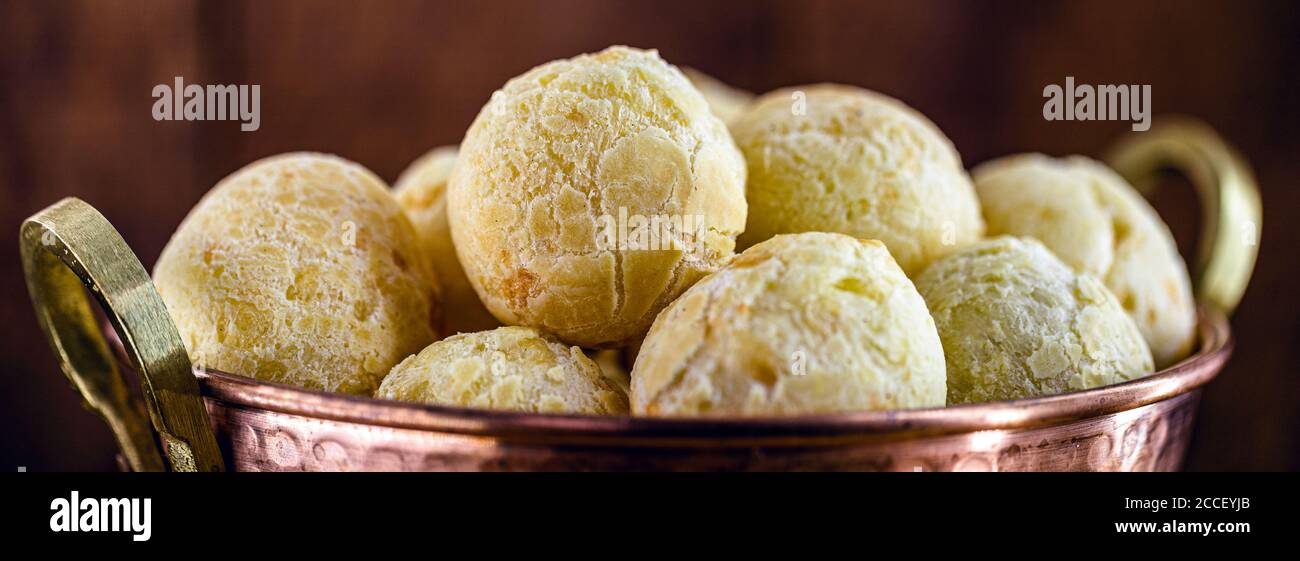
x=1229, y=198
x=70, y=245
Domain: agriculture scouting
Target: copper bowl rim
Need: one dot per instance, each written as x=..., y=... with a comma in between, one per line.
x=1191, y=373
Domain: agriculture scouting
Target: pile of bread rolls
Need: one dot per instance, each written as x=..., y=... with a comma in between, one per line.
x=823, y=250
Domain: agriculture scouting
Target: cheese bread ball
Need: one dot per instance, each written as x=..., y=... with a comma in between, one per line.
x=510, y=368
x=1097, y=223
x=799, y=324
x=422, y=192
x=727, y=103
x=558, y=181
x=1016, y=322
x=299, y=269
x=841, y=159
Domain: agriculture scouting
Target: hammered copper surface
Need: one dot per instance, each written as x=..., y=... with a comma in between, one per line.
x=1149, y=438
x=1141, y=425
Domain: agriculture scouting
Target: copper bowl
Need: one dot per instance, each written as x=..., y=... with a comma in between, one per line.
x=1142, y=425
x=194, y=419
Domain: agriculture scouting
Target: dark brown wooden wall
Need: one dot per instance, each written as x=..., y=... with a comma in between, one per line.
x=381, y=82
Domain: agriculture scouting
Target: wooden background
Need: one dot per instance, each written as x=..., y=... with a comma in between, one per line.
x=381, y=82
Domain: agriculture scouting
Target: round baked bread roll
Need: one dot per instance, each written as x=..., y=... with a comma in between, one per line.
x=511, y=368
x=422, y=192
x=1098, y=224
x=1016, y=322
x=299, y=269
x=727, y=102
x=841, y=159
x=559, y=180
x=798, y=324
